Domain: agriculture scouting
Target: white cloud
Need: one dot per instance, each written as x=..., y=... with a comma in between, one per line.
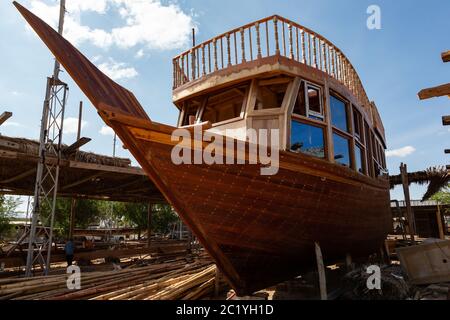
x=145, y=23
x=401, y=152
x=106, y=131
x=15, y=93
x=71, y=125
x=117, y=70
x=139, y=54
x=11, y=124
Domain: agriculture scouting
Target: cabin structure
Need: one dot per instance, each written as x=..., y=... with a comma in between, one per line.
x=277, y=74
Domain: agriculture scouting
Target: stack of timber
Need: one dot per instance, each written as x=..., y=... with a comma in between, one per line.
x=164, y=281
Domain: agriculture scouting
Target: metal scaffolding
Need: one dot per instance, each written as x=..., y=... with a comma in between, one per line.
x=47, y=175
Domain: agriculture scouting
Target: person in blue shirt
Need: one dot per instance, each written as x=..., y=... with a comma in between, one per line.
x=69, y=248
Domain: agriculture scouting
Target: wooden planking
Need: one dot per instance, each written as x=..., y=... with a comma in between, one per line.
x=426, y=263
x=101, y=167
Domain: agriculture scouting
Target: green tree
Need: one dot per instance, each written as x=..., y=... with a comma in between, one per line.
x=163, y=217
x=8, y=206
x=443, y=196
x=87, y=212
x=136, y=215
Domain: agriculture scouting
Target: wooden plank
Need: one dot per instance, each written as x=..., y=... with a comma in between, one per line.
x=5, y=116
x=426, y=263
x=321, y=270
x=447, y=151
x=81, y=181
x=439, y=222
x=439, y=91
x=446, y=56
x=101, y=167
x=446, y=120
x=404, y=174
x=76, y=145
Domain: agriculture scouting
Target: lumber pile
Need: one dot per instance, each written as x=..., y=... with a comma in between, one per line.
x=163, y=281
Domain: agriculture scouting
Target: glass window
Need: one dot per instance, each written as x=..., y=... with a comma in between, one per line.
x=307, y=139
x=338, y=113
x=359, y=157
x=224, y=105
x=357, y=124
x=341, y=150
x=271, y=93
x=314, y=100
x=300, y=103
x=308, y=104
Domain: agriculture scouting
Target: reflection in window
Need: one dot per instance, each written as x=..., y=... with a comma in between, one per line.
x=357, y=124
x=308, y=104
x=224, y=105
x=359, y=156
x=307, y=139
x=341, y=150
x=271, y=93
x=314, y=100
x=338, y=113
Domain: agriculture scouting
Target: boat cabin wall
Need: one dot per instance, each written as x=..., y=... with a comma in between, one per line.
x=314, y=118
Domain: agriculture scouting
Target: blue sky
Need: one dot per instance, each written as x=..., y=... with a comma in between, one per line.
x=394, y=63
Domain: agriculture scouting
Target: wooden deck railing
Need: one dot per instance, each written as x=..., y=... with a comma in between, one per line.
x=271, y=36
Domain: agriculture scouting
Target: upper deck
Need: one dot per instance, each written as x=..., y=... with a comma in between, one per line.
x=253, y=45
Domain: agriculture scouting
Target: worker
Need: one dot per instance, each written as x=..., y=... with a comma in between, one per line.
x=68, y=248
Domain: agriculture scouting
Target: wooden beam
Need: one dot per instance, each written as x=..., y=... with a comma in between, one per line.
x=439, y=91
x=5, y=116
x=78, y=182
x=321, y=270
x=404, y=174
x=76, y=145
x=447, y=151
x=101, y=167
x=446, y=120
x=446, y=56
x=73, y=206
x=439, y=223
x=19, y=176
x=149, y=224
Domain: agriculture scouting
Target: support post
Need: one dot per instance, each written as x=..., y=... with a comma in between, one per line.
x=404, y=175
x=321, y=270
x=72, y=217
x=439, y=222
x=348, y=262
x=149, y=224
x=80, y=120
x=217, y=283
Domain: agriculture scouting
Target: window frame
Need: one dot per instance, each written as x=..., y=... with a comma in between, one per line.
x=313, y=123
x=220, y=123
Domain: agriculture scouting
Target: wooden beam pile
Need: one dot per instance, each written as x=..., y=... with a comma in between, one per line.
x=164, y=281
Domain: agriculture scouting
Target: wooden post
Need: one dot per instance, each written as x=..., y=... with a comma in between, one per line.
x=72, y=217
x=439, y=222
x=404, y=175
x=258, y=40
x=149, y=224
x=348, y=262
x=217, y=283
x=321, y=270
x=80, y=120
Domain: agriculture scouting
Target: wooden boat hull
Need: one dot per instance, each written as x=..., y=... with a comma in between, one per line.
x=259, y=229
x=262, y=229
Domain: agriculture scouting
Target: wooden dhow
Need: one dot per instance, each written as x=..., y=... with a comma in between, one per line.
x=330, y=186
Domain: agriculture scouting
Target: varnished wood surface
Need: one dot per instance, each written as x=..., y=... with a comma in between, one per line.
x=259, y=229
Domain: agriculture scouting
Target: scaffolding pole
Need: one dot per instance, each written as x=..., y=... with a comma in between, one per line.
x=47, y=175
